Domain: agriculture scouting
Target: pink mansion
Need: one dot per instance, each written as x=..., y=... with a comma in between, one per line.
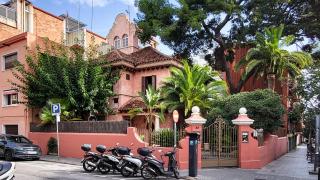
x=24, y=25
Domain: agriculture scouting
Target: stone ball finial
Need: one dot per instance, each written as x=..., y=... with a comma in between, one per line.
x=243, y=110
x=195, y=109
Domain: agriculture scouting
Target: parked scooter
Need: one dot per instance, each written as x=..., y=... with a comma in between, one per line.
x=132, y=165
x=111, y=161
x=153, y=167
x=90, y=159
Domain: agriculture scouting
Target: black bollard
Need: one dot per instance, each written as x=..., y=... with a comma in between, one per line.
x=193, y=154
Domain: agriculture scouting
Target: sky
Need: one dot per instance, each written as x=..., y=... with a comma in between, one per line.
x=104, y=13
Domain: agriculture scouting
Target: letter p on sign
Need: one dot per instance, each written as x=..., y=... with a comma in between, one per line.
x=55, y=109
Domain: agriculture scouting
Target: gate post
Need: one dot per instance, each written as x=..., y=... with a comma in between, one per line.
x=194, y=130
x=247, y=146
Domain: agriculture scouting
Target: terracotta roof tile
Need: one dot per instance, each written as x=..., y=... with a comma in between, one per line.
x=142, y=56
x=132, y=104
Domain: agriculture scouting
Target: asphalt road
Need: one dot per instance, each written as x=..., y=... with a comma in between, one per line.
x=36, y=170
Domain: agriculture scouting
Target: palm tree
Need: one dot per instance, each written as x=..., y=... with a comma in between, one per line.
x=152, y=102
x=191, y=86
x=269, y=59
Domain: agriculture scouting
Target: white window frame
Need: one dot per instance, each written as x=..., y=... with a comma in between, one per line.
x=4, y=99
x=117, y=42
x=125, y=40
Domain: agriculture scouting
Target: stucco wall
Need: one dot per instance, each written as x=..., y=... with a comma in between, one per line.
x=14, y=114
x=70, y=143
x=46, y=25
x=120, y=27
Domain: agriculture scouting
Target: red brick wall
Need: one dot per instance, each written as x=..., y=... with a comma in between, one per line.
x=46, y=25
x=8, y=31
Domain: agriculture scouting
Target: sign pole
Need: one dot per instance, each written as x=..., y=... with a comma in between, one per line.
x=175, y=116
x=58, y=143
x=175, y=134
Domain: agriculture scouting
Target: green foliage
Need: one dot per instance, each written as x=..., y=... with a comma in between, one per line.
x=195, y=27
x=66, y=112
x=308, y=88
x=268, y=57
x=191, y=86
x=151, y=99
x=84, y=81
x=163, y=137
x=295, y=114
x=264, y=106
x=52, y=145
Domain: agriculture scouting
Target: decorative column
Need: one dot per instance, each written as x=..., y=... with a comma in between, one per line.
x=156, y=123
x=194, y=131
x=248, y=152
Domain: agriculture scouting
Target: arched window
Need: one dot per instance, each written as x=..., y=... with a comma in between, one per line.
x=125, y=40
x=117, y=42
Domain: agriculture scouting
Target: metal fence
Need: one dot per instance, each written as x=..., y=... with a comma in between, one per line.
x=84, y=127
x=8, y=13
x=161, y=138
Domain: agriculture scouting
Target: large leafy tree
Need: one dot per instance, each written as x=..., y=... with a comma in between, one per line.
x=191, y=86
x=309, y=89
x=213, y=26
x=83, y=79
x=269, y=59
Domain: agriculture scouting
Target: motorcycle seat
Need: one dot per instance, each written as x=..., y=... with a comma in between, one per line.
x=170, y=153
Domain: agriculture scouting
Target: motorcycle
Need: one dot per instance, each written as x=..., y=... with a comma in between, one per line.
x=90, y=159
x=7, y=170
x=132, y=165
x=113, y=160
x=153, y=167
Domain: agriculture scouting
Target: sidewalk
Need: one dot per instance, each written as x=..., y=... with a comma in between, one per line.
x=291, y=166
x=63, y=160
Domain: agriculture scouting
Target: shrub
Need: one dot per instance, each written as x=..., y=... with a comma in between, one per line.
x=263, y=106
x=52, y=145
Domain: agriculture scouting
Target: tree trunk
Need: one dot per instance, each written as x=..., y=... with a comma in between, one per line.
x=271, y=81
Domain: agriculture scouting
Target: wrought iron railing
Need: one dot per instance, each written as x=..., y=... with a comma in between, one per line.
x=162, y=137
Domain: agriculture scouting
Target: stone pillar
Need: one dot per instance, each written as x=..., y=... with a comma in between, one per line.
x=156, y=123
x=195, y=122
x=248, y=152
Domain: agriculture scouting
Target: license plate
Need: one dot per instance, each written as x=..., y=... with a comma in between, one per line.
x=32, y=152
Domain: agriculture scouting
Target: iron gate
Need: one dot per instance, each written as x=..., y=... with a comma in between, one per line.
x=219, y=145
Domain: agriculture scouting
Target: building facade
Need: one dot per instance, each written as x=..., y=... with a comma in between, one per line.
x=24, y=26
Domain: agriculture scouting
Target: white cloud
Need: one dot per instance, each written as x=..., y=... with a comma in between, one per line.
x=102, y=3
x=99, y=3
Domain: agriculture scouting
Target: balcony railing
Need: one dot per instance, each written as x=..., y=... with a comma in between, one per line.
x=8, y=15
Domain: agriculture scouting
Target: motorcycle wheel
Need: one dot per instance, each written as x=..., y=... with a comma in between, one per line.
x=176, y=172
x=124, y=172
x=87, y=167
x=146, y=174
x=103, y=169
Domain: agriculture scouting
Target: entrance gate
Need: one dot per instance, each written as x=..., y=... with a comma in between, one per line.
x=220, y=145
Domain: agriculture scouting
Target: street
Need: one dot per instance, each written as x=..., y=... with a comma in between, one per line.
x=290, y=166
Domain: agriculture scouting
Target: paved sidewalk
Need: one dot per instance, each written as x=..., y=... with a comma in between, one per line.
x=291, y=166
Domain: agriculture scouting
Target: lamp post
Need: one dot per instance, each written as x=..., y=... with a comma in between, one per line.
x=175, y=115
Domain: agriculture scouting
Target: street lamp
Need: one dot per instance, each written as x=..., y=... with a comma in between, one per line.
x=175, y=115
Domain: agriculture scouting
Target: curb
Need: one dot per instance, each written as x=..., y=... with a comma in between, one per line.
x=58, y=161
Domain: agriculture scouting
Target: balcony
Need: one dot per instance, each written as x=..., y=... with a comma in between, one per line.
x=8, y=16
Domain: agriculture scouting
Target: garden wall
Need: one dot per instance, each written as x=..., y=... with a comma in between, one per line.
x=273, y=148
x=70, y=143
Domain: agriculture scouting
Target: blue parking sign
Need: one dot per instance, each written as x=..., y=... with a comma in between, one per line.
x=55, y=109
